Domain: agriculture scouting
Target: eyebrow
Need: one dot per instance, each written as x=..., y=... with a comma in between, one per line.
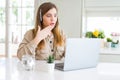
x=51, y=14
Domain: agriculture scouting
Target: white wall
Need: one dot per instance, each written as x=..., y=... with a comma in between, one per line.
x=102, y=3
x=70, y=12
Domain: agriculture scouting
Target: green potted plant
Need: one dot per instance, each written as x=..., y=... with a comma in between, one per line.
x=115, y=44
x=109, y=42
x=95, y=34
x=50, y=63
x=89, y=34
x=50, y=59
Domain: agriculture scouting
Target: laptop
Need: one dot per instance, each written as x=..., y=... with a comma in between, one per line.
x=81, y=53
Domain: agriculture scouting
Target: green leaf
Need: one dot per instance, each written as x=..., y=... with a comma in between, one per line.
x=50, y=59
x=89, y=34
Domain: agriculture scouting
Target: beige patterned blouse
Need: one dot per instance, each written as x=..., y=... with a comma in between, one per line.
x=28, y=47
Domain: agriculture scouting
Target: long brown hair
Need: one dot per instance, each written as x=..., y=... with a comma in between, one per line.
x=44, y=8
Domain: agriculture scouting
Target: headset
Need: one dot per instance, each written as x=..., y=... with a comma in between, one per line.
x=40, y=16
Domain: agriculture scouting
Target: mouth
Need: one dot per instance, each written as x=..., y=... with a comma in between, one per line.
x=52, y=24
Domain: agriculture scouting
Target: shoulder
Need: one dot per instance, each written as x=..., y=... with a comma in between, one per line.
x=29, y=34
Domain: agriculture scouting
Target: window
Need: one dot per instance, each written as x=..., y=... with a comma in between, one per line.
x=2, y=27
x=103, y=15
x=21, y=16
x=107, y=24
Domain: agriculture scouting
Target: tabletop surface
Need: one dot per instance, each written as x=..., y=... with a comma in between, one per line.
x=110, y=51
x=10, y=70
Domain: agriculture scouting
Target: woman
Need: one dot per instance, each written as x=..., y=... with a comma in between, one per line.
x=46, y=38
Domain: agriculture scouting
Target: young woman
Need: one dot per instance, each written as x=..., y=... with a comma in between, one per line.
x=46, y=38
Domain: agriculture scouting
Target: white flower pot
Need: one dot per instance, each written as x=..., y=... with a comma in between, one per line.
x=102, y=43
x=108, y=44
x=49, y=67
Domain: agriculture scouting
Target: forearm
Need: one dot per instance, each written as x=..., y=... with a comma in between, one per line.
x=26, y=48
x=36, y=41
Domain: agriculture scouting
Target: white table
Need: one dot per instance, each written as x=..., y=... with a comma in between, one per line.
x=104, y=71
x=110, y=55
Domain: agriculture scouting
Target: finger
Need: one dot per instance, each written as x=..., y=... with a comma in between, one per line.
x=39, y=28
x=50, y=27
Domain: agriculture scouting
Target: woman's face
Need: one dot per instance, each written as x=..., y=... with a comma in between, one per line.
x=50, y=18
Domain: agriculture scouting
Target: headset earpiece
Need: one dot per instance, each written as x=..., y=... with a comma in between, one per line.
x=40, y=16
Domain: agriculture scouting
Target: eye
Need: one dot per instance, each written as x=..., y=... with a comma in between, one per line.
x=55, y=15
x=48, y=15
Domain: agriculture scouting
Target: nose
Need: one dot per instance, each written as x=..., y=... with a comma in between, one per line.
x=52, y=18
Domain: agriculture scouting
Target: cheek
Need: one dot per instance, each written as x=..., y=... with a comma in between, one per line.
x=46, y=22
x=56, y=20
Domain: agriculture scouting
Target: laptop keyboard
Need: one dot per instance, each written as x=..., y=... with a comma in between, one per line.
x=60, y=65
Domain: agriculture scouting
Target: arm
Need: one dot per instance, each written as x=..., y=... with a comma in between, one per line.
x=27, y=46
x=29, y=43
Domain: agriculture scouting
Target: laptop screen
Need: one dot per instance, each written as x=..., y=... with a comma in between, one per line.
x=81, y=53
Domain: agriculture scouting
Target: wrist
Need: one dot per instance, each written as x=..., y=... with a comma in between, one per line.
x=36, y=41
